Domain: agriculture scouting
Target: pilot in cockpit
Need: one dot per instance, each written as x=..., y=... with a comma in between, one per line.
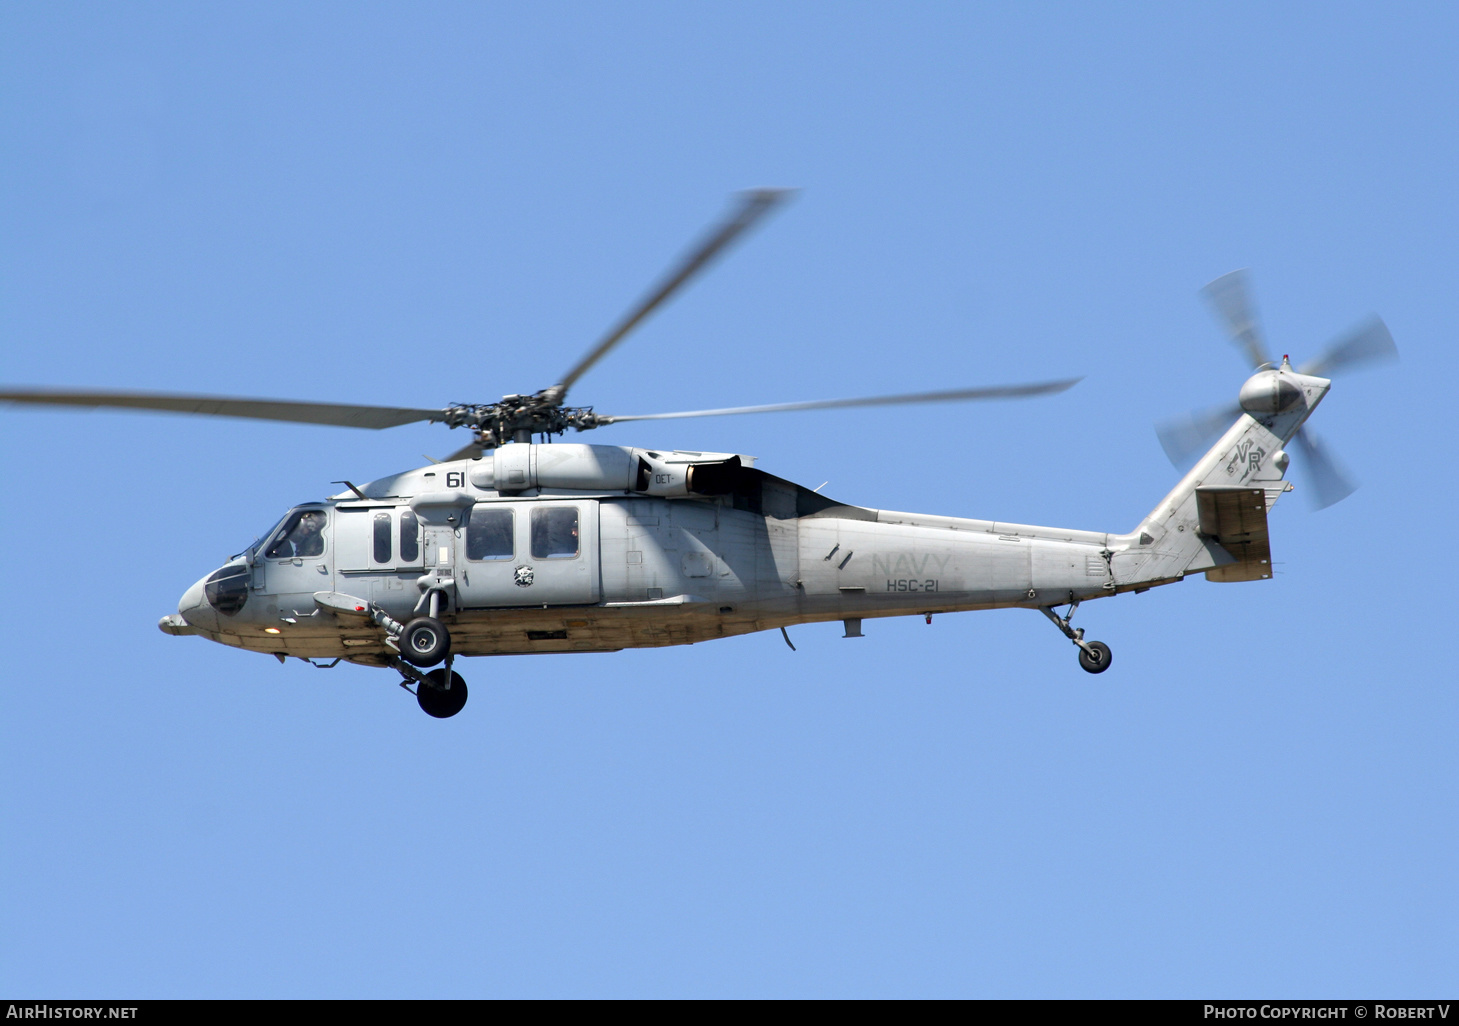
x=304, y=537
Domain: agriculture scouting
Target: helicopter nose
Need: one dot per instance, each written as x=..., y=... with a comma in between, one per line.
x=195, y=608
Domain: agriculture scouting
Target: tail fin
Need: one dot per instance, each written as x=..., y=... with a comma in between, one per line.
x=1214, y=520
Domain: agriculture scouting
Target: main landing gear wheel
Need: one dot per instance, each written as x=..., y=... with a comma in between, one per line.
x=435, y=700
x=425, y=641
x=1096, y=658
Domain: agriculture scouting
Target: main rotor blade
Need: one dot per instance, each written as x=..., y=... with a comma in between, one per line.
x=1329, y=483
x=958, y=395
x=466, y=452
x=1370, y=340
x=752, y=206
x=1230, y=296
x=1184, y=437
x=218, y=406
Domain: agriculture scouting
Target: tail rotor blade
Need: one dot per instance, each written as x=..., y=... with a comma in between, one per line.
x=1230, y=296
x=1194, y=433
x=1329, y=484
x=1369, y=341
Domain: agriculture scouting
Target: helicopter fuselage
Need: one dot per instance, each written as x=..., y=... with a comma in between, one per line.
x=723, y=550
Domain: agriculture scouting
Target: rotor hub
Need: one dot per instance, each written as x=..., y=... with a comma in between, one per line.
x=519, y=417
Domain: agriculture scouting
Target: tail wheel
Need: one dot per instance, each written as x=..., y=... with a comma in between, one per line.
x=425, y=641
x=1097, y=658
x=437, y=700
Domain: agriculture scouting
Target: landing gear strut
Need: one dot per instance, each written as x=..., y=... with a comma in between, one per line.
x=1094, y=656
x=424, y=642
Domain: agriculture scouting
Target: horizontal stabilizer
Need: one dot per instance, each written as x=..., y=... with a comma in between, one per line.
x=1236, y=518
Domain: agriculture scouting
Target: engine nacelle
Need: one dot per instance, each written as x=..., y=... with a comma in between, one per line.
x=680, y=473
x=520, y=467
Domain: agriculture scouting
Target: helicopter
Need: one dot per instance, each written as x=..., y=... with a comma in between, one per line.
x=515, y=544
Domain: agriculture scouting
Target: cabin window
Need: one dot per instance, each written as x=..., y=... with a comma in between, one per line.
x=409, y=537
x=555, y=533
x=489, y=533
x=302, y=535
x=382, y=537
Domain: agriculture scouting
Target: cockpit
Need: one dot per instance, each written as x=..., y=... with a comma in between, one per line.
x=225, y=592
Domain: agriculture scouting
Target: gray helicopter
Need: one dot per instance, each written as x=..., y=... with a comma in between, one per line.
x=509, y=546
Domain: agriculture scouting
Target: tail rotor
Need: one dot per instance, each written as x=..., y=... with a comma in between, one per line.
x=1230, y=299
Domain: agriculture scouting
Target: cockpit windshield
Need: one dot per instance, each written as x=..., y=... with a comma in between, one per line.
x=302, y=534
x=269, y=534
x=261, y=538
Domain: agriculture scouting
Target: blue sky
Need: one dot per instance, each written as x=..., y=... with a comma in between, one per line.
x=418, y=204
